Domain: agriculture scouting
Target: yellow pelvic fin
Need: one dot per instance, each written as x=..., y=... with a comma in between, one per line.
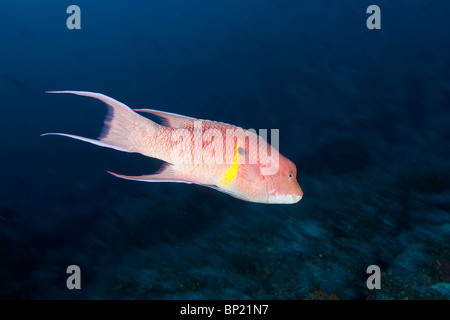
x=230, y=174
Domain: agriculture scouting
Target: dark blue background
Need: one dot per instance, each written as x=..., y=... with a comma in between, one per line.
x=363, y=113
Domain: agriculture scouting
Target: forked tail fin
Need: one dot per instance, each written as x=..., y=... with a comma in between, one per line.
x=120, y=123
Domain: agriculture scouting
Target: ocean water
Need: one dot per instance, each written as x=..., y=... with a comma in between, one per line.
x=364, y=114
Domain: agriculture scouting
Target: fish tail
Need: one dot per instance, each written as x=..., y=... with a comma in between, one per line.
x=120, y=125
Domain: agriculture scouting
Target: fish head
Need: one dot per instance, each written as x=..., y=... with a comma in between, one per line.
x=283, y=186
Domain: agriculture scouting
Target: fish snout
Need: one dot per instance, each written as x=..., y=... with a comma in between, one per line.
x=296, y=193
x=292, y=198
x=296, y=198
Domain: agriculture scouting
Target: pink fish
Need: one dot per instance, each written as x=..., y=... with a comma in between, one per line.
x=218, y=155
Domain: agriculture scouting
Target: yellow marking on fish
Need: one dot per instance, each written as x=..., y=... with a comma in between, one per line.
x=230, y=174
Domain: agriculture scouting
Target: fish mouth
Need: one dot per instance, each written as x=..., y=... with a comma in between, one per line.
x=296, y=197
x=293, y=198
x=296, y=193
x=285, y=199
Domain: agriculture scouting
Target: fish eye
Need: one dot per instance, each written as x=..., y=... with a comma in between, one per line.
x=290, y=175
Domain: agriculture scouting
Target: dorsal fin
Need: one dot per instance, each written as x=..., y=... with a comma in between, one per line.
x=169, y=119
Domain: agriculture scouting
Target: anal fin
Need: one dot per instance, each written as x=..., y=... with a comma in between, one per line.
x=166, y=174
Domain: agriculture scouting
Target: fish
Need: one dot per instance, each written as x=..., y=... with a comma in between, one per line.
x=227, y=158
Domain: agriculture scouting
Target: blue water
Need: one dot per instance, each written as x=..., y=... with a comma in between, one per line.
x=364, y=114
